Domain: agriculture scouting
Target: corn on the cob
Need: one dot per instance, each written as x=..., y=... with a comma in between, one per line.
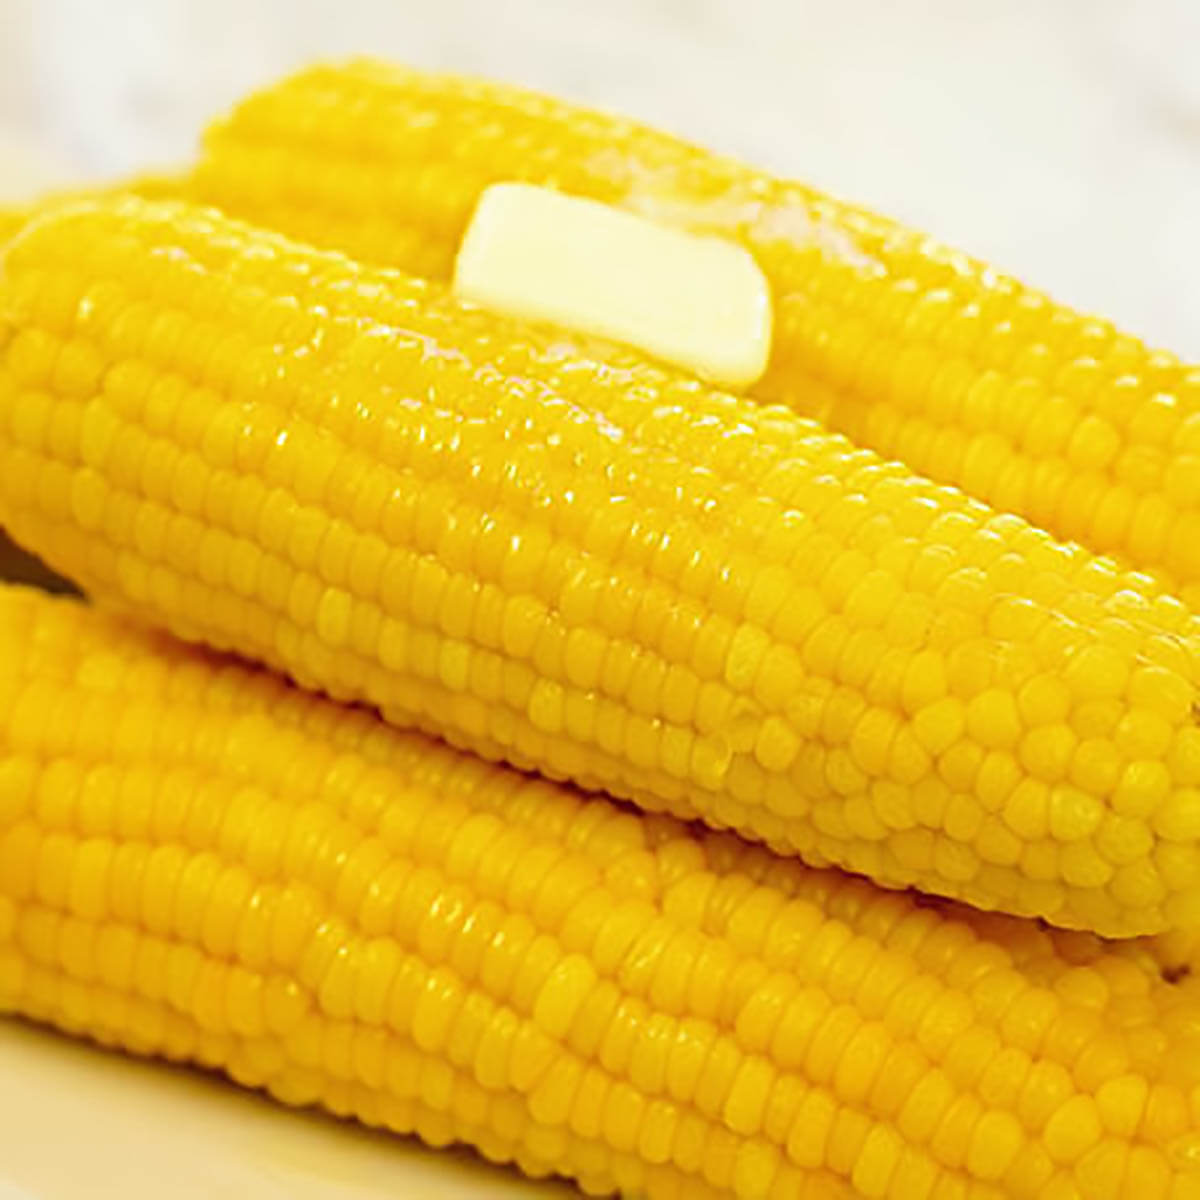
x=200, y=862
x=595, y=567
x=916, y=351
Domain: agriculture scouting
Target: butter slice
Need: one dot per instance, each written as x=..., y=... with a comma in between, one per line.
x=697, y=302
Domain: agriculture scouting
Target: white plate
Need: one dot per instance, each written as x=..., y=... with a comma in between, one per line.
x=80, y=1123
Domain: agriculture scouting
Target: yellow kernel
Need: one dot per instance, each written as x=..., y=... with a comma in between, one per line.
x=1141, y=789
x=1123, y=840
x=1161, y=691
x=1073, y=814
x=622, y=1117
x=1120, y=1103
x=1096, y=718
x=860, y=1062
x=1137, y=885
x=1027, y=812
x=1073, y=1129
x=553, y=1098
x=937, y=726
x=811, y=1127
x=547, y=706
x=776, y=746
x=908, y=761
x=993, y=719
x=1097, y=671
x=746, y=651
x=333, y=617
x=18, y=779
x=563, y=994
x=779, y=677
x=1046, y=752
x=746, y=1102
x=915, y=1176
x=877, y=1162
x=1043, y=700
x=926, y=1105
x=997, y=775
x=995, y=843
x=88, y=896
x=1167, y=1113
x=1095, y=766
x=1094, y=443
x=925, y=680
x=995, y=1142
x=756, y=1168
x=1178, y=819
x=1083, y=867
x=1142, y=734
x=1179, y=867
x=31, y=356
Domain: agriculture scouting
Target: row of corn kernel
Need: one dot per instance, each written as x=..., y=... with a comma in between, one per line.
x=917, y=351
x=383, y=547
x=253, y=858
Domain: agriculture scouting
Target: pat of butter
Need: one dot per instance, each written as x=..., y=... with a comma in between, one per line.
x=701, y=303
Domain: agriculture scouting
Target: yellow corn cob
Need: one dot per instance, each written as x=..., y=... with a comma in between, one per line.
x=11, y=220
x=594, y=567
x=910, y=348
x=14, y=564
x=199, y=862
x=148, y=187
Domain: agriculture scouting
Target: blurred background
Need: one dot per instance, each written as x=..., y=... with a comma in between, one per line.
x=1060, y=138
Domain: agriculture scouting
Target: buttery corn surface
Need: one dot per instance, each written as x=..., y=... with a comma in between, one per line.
x=912, y=349
x=591, y=566
x=199, y=862
x=698, y=303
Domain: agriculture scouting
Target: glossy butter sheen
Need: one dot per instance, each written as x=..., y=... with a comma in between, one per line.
x=700, y=303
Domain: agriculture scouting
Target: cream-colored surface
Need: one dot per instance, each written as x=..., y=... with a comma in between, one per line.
x=76, y=1121
x=700, y=303
x=25, y=170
